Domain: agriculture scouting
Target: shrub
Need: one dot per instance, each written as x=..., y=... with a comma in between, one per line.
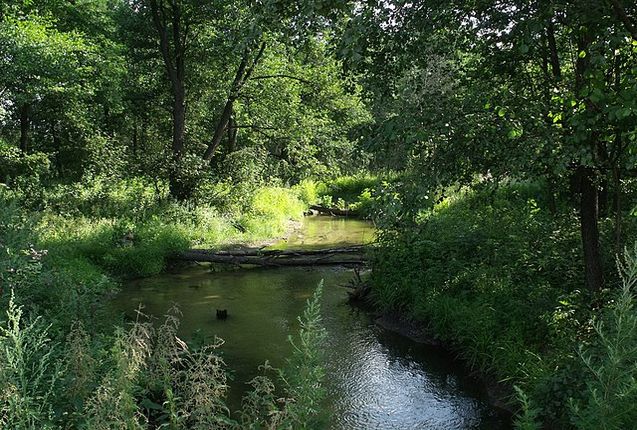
x=609, y=400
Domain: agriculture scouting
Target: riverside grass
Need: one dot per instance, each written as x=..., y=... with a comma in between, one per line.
x=477, y=270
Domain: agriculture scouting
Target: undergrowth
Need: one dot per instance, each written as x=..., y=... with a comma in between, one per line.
x=497, y=277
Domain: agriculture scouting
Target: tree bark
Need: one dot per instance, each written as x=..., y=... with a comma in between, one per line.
x=273, y=261
x=587, y=182
x=589, y=229
x=232, y=134
x=173, y=55
x=57, y=144
x=251, y=252
x=617, y=209
x=332, y=211
x=25, y=124
x=552, y=45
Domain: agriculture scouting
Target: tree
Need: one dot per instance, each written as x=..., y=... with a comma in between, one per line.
x=541, y=90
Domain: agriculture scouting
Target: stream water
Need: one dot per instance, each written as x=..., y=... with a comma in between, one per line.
x=376, y=379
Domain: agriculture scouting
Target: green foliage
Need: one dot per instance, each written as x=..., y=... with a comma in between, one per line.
x=308, y=191
x=23, y=173
x=362, y=193
x=478, y=269
x=28, y=374
x=302, y=380
x=527, y=419
x=305, y=372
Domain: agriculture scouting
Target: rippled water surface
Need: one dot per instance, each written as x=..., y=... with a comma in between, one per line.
x=376, y=379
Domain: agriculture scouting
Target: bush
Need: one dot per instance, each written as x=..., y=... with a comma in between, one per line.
x=610, y=362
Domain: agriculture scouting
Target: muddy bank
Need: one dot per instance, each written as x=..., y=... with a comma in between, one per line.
x=498, y=393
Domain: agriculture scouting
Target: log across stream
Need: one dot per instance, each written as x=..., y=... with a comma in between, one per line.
x=346, y=256
x=376, y=379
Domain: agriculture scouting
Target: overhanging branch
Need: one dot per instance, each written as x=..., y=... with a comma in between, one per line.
x=282, y=75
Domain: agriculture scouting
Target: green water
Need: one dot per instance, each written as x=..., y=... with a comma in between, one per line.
x=325, y=232
x=376, y=379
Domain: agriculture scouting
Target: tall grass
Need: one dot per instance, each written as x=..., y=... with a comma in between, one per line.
x=28, y=373
x=134, y=238
x=145, y=377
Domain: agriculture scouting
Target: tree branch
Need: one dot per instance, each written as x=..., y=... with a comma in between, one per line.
x=624, y=18
x=282, y=75
x=243, y=74
x=259, y=127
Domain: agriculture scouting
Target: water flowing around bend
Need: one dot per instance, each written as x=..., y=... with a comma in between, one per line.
x=376, y=379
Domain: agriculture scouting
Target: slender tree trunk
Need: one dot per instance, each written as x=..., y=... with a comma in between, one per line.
x=617, y=208
x=589, y=229
x=232, y=134
x=177, y=189
x=550, y=57
x=25, y=124
x=550, y=194
x=168, y=23
x=57, y=144
x=588, y=186
x=134, y=142
x=603, y=197
x=241, y=77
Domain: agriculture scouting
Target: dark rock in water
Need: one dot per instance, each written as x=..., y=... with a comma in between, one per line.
x=222, y=314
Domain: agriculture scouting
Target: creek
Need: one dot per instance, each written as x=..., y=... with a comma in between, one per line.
x=375, y=379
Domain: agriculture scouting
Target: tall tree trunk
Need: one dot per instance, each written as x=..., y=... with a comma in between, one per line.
x=232, y=134
x=589, y=229
x=177, y=189
x=550, y=193
x=134, y=143
x=25, y=124
x=603, y=197
x=57, y=144
x=550, y=57
x=587, y=175
x=172, y=43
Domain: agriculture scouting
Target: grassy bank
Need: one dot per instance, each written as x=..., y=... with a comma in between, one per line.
x=129, y=232
x=498, y=277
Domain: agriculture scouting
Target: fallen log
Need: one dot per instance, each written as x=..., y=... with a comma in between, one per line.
x=332, y=211
x=271, y=260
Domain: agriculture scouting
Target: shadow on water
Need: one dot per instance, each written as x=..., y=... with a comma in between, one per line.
x=376, y=379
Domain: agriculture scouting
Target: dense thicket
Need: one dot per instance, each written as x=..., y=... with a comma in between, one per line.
x=536, y=90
